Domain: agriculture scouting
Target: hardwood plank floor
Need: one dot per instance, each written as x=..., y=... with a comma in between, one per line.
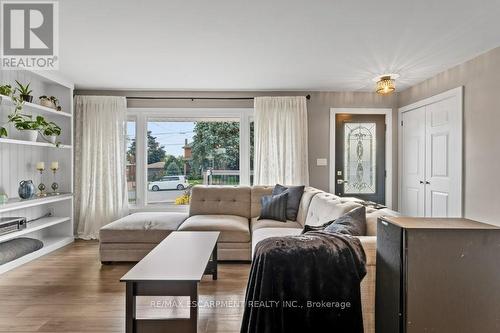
x=69, y=291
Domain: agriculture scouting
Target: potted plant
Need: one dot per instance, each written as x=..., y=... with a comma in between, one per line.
x=50, y=102
x=24, y=92
x=51, y=131
x=27, y=125
x=46, y=101
x=6, y=90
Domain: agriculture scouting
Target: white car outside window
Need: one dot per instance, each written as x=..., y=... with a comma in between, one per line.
x=169, y=183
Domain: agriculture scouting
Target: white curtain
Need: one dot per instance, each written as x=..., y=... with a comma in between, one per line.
x=100, y=180
x=281, y=141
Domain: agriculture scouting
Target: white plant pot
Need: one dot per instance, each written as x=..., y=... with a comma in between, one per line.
x=30, y=135
x=52, y=138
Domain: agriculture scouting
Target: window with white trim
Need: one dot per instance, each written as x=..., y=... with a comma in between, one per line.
x=174, y=149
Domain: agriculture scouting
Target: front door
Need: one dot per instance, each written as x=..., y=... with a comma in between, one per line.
x=360, y=156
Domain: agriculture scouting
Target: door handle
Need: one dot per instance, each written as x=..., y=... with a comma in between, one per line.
x=427, y=182
x=341, y=181
x=421, y=182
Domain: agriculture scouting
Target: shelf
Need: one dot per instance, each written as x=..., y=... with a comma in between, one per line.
x=34, y=226
x=16, y=203
x=50, y=244
x=37, y=108
x=34, y=143
x=18, y=156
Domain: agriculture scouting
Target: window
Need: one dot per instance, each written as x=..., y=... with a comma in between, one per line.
x=360, y=158
x=184, y=153
x=185, y=147
x=130, y=142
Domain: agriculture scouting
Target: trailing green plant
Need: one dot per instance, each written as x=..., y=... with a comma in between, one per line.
x=24, y=90
x=23, y=122
x=51, y=128
x=6, y=90
x=17, y=103
x=26, y=122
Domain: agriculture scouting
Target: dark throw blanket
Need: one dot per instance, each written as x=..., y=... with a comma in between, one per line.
x=306, y=283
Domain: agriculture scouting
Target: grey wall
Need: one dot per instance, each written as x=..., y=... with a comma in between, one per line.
x=481, y=80
x=318, y=121
x=319, y=129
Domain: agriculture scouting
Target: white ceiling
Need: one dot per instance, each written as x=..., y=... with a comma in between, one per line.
x=337, y=45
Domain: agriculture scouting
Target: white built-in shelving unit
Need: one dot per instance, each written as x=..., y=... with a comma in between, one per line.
x=18, y=158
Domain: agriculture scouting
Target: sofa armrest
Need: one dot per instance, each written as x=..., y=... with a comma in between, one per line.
x=369, y=244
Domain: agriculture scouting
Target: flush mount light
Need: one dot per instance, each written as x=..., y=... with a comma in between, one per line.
x=386, y=83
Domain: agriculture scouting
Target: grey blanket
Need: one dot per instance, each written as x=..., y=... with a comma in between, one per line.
x=306, y=283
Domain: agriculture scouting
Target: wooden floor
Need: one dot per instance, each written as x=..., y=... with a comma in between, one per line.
x=69, y=291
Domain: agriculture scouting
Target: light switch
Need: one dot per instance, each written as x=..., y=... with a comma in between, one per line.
x=321, y=162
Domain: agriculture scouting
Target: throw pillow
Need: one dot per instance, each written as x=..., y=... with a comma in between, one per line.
x=294, y=196
x=274, y=207
x=352, y=223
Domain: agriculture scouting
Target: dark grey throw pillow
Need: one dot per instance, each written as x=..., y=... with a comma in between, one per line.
x=273, y=207
x=294, y=196
x=352, y=223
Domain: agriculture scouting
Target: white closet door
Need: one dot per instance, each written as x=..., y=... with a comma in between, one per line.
x=443, y=159
x=413, y=187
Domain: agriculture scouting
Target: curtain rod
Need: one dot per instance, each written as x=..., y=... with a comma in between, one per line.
x=193, y=98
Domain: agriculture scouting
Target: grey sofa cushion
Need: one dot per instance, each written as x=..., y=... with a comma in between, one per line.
x=263, y=233
x=257, y=192
x=259, y=224
x=352, y=223
x=372, y=216
x=294, y=195
x=220, y=200
x=143, y=227
x=325, y=207
x=18, y=247
x=232, y=228
x=274, y=207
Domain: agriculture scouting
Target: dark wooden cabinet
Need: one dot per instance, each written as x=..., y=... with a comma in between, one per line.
x=437, y=275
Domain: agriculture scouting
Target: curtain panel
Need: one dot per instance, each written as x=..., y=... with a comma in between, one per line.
x=100, y=179
x=281, y=152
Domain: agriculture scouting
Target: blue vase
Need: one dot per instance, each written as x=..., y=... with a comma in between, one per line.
x=26, y=189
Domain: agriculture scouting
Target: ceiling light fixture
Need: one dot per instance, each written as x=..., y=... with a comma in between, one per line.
x=385, y=84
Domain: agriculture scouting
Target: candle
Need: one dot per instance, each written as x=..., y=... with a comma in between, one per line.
x=54, y=165
x=40, y=166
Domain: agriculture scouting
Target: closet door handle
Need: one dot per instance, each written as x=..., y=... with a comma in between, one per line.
x=427, y=182
x=421, y=182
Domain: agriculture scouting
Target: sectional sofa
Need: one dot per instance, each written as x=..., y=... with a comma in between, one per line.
x=234, y=211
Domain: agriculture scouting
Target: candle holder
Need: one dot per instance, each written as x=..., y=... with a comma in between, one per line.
x=55, y=186
x=40, y=166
